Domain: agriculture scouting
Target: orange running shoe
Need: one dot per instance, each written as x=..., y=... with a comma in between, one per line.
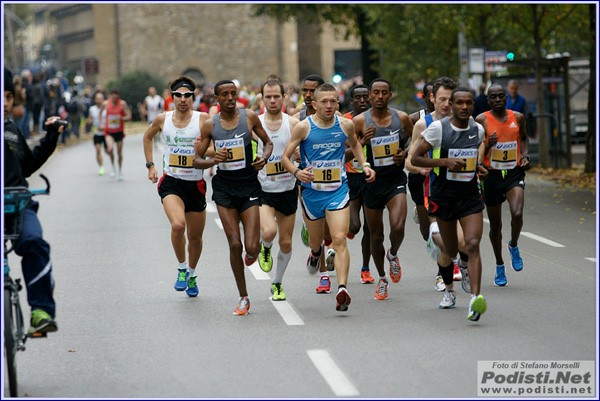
x=243, y=307
x=381, y=292
x=395, y=270
x=365, y=277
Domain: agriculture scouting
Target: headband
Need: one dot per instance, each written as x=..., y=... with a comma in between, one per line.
x=183, y=84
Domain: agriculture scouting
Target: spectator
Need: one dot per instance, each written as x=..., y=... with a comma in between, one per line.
x=515, y=101
x=481, y=101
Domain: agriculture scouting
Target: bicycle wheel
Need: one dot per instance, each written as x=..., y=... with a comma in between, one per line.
x=10, y=343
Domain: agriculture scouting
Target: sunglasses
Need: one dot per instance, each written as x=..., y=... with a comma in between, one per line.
x=187, y=95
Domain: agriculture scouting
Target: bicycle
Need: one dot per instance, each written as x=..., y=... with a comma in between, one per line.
x=16, y=200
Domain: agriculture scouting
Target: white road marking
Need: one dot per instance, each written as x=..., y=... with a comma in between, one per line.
x=211, y=207
x=542, y=239
x=592, y=259
x=257, y=272
x=486, y=220
x=218, y=221
x=337, y=380
x=289, y=315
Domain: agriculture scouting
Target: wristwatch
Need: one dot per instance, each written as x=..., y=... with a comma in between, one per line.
x=149, y=164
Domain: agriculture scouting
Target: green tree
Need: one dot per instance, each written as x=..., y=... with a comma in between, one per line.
x=134, y=88
x=16, y=20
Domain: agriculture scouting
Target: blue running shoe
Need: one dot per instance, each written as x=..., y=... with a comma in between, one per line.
x=182, y=279
x=500, y=277
x=192, y=287
x=515, y=258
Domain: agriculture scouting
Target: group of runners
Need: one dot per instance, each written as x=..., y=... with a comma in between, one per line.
x=334, y=166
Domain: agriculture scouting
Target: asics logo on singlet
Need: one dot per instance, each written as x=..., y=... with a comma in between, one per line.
x=508, y=145
x=326, y=145
x=240, y=135
x=326, y=164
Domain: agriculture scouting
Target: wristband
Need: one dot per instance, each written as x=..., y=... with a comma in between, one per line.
x=296, y=173
x=149, y=164
x=366, y=164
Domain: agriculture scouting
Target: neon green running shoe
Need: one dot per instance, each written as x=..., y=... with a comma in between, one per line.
x=41, y=322
x=277, y=291
x=265, y=259
x=304, y=235
x=477, y=307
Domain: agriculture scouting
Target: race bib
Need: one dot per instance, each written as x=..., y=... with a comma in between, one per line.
x=504, y=156
x=236, y=158
x=275, y=170
x=181, y=157
x=467, y=173
x=114, y=121
x=384, y=148
x=328, y=175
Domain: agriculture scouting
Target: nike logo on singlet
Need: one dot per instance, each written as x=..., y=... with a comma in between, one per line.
x=472, y=136
x=253, y=199
x=394, y=132
x=240, y=135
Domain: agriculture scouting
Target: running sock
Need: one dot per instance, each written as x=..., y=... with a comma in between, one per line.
x=183, y=265
x=192, y=272
x=324, y=274
x=283, y=259
x=267, y=244
x=447, y=273
x=340, y=287
x=464, y=257
x=365, y=268
x=389, y=255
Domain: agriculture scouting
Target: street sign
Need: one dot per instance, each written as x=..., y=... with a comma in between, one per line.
x=476, y=60
x=495, y=61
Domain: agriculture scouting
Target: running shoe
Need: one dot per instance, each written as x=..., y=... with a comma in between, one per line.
x=448, y=300
x=500, y=277
x=515, y=258
x=101, y=171
x=112, y=175
x=439, y=284
x=365, y=277
x=313, y=263
x=192, y=287
x=466, y=281
x=120, y=177
x=324, y=285
x=415, y=215
x=182, y=279
x=477, y=307
x=329, y=260
x=41, y=322
x=432, y=249
x=381, y=291
x=249, y=260
x=395, y=270
x=277, y=291
x=457, y=274
x=265, y=259
x=342, y=300
x=304, y=234
x=243, y=307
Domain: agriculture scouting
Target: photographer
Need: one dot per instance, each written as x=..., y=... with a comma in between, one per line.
x=21, y=162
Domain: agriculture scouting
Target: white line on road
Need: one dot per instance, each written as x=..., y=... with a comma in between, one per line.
x=542, y=239
x=257, y=272
x=289, y=315
x=332, y=374
x=210, y=207
x=592, y=259
x=218, y=221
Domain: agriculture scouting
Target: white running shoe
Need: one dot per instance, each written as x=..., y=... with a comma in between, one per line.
x=439, y=284
x=448, y=300
x=329, y=259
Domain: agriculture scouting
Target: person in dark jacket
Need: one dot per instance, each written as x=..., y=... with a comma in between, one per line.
x=20, y=162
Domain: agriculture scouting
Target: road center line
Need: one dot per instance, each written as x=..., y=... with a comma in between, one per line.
x=218, y=221
x=289, y=315
x=592, y=259
x=257, y=272
x=210, y=207
x=542, y=239
x=337, y=380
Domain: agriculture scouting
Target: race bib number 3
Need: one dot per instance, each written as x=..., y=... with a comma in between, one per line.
x=469, y=156
x=504, y=156
x=236, y=158
x=328, y=175
x=384, y=148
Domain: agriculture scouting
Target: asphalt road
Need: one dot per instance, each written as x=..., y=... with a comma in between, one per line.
x=124, y=332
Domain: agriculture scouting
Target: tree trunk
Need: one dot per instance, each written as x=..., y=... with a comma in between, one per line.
x=366, y=52
x=542, y=118
x=590, y=143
